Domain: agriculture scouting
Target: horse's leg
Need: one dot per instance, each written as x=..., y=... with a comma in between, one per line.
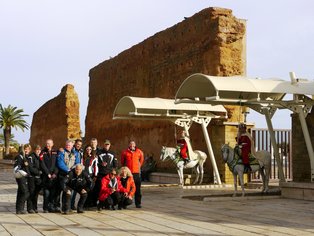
x=267, y=173
x=196, y=168
x=262, y=173
x=242, y=183
x=235, y=184
x=180, y=173
x=201, y=168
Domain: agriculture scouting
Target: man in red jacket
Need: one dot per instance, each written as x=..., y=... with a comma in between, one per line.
x=183, y=146
x=244, y=143
x=133, y=158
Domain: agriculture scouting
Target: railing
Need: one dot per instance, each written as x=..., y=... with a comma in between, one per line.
x=262, y=141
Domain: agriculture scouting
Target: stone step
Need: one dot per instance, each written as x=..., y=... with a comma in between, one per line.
x=171, y=178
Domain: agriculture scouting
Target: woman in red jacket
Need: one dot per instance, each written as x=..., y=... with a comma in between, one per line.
x=109, y=194
x=128, y=187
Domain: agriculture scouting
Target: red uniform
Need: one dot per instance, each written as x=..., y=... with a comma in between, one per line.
x=183, y=148
x=245, y=142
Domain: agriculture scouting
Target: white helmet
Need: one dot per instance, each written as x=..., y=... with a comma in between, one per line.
x=19, y=173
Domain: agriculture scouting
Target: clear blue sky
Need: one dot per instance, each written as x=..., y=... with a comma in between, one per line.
x=47, y=44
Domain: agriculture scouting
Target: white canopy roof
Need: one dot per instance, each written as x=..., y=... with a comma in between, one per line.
x=240, y=89
x=159, y=108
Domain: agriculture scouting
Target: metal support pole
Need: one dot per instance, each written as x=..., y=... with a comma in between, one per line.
x=307, y=138
x=210, y=150
x=274, y=144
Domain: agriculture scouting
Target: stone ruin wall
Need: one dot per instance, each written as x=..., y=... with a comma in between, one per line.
x=210, y=42
x=57, y=119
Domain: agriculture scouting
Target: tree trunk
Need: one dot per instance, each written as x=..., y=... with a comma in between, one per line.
x=7, y=136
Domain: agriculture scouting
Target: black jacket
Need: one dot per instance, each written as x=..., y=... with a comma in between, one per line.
x=22, y=162
x=34, y=165
x=106, y=162
x=79, y=182
x=48, y=162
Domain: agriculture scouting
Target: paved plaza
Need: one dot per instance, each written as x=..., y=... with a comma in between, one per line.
x=166, y=211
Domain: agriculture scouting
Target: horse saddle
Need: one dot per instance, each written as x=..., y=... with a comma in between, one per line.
x=252, y=159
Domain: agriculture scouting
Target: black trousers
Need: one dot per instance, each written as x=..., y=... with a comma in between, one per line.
x=94, y=193
x=34, y=186
x=81, y=202
x=66, y=200
x=138, y=193
x=112, y=200
x=22, y=193
x=50, y=191
x=125, y=201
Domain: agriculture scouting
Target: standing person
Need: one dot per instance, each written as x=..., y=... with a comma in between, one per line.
x=244, y=143
x=94, y=145
x=67, y=159
x=109, y=194
x=21, y=166
x=90, y=162
x=80, y=182
x=128, y=187
x=78, y=151
x=34, y=180
x=133, y=158
x=107, y=160
x=48, y=164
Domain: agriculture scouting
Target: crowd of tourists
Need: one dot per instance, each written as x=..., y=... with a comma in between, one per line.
x=93, y=175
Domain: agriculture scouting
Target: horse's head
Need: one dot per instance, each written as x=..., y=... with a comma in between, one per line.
x=225, y=152
x=163, y=155
x=167, y=153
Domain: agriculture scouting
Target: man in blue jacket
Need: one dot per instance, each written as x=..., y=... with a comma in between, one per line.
x=67, y=159
x=77, y=148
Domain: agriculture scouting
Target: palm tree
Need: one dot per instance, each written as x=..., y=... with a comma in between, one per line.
x=12, y=140
x=11, y=117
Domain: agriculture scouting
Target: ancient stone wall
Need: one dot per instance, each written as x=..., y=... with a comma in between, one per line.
x=57, y=119
x=301, y=166
x=210, y=42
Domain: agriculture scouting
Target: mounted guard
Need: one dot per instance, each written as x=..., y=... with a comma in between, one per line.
x=182, y=147
x=245, y=147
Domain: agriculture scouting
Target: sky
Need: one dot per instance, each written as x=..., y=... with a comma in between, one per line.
x=46, y=44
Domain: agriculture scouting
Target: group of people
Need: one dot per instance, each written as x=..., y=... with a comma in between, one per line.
x=91, y=172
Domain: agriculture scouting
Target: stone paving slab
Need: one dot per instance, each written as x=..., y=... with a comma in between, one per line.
x=166, y=211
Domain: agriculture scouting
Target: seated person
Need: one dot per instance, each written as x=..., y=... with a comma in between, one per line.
x=109, y=194
x=244, y=143
x=183, y=147
x=128, y=187
x=80, y=182
x=148, y=167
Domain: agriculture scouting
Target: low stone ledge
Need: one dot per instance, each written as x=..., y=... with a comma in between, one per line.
x=172, y=178
x=297, y=190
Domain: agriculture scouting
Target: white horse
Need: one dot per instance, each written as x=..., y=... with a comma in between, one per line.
x=198, y=164
x=263, y=166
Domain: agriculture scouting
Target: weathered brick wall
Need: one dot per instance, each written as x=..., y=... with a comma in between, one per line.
x=57, y=119
x=210, y=42
x=301, y=166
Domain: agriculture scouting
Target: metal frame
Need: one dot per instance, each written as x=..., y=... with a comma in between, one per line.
x=263, y=96
x=180, y=114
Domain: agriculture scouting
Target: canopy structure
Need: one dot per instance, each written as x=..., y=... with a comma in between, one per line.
x=264, y=96
x=160, y=108
x=181, y=114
